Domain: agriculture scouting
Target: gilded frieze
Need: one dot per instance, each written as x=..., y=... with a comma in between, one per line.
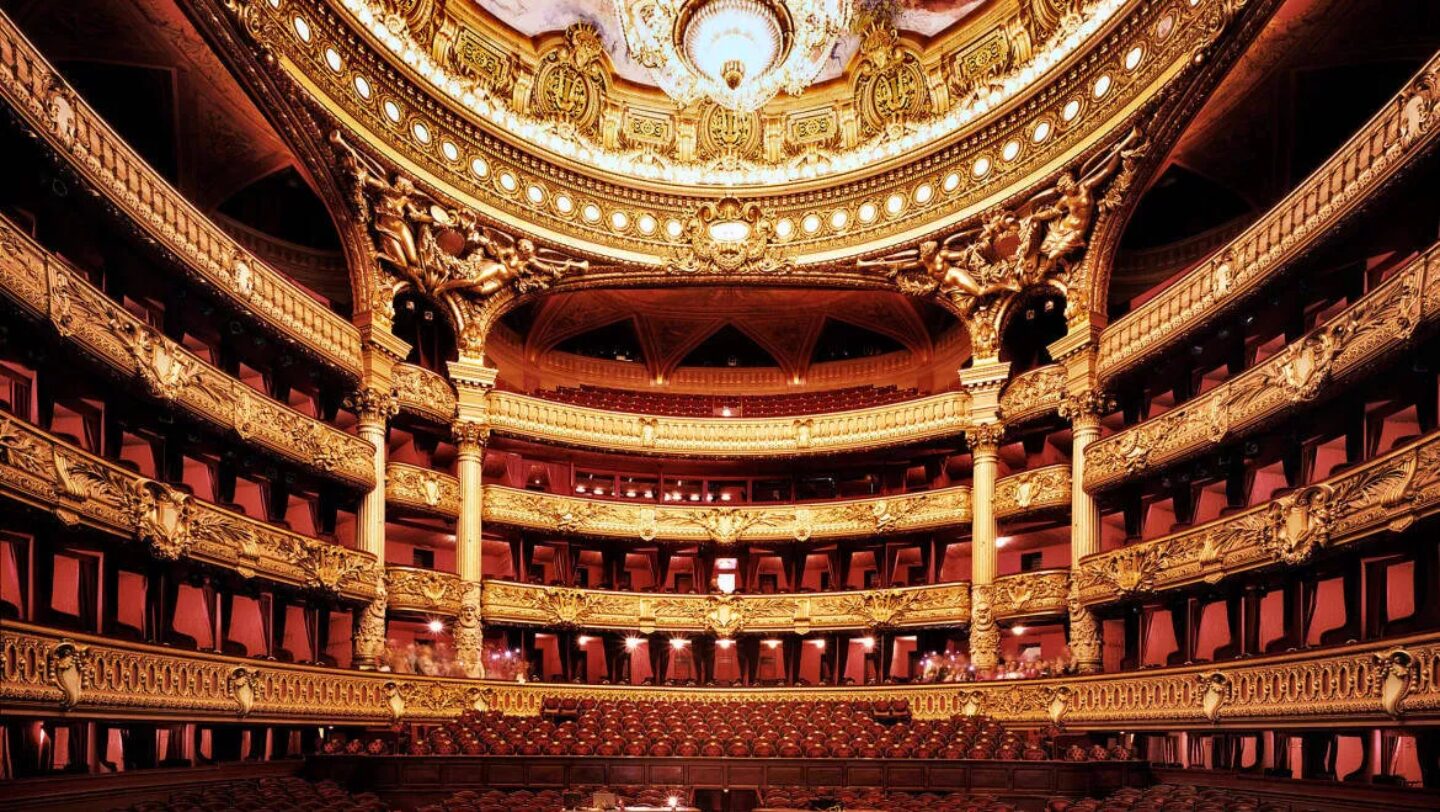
x=81, y=314
x=39, y=470
x=936, y=416
x=423, y=591
x=80, y=137
x=1387, y=493
x=415, y=488
x=1380, y=151
x=1378, y=325
x=725, y=615
x=1031, y=491
x=1026, y=594
x=423, y=393
x=1033, y=394
x=1374, y=682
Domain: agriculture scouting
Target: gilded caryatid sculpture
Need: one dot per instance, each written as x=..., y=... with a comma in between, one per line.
x=978, y=270
x=440, y=251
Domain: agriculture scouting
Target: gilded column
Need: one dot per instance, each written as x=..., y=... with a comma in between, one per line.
x=1083, y=411
x=374, y=404
x=473, y=381
x=984, y=441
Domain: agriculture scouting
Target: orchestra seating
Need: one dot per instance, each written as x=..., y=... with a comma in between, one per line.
x=268, y=795
x=553, y=800
x=686, y=405
x=780, y=729
x=1168, y=798
x=777, y=799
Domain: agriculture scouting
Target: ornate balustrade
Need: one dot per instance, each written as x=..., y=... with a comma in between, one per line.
x=40, y=470
x=923, y=419
x=430, y=592
x=50, y=290
x=1386, y=146
x=1030, y=594
x=725, y=615
x=1387, y=493
x=80, y=137
x=415, y=488
x=1033, y=394
x=46, y=671
x=1379, y=325
x=728, y=525
x=424, y=394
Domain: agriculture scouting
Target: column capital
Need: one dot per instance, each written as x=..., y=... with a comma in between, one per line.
x=470, y=435
x=1086, y=405
x=985, y=437
x=374, y=404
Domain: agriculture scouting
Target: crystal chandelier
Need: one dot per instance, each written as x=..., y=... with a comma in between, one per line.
x=739, y=53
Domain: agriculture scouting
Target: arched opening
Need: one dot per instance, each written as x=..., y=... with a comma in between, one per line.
x=1033, y=325
x=427, y=329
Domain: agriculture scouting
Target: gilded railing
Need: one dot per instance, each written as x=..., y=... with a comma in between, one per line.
x=728, y=525
x=1032, y=491
x=424, y=394
x=928, y=418
x=46, y=671
x=1342, y=186
x=1380, y=324
x=1033, y=394
x=1387, y=493
x=57, y=114
x=431, y=592
x=416, y=488
x=50, y=290
x=727, y=614
x=1030, y=594
x=77, y=486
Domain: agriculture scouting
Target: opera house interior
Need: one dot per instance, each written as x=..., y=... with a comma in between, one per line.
x=720, y=405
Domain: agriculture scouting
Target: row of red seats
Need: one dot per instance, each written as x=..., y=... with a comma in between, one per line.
x=266, y=795
x=814, y=729
x=694, y=405
x=1168, y=798
x=787, y=798
x=554, y=800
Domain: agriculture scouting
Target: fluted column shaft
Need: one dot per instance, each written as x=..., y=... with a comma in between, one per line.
x=374, y=406
x=984, y=634
x=1085, y=640
x=469, y=559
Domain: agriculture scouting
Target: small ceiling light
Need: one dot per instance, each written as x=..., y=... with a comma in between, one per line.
x=435, y=626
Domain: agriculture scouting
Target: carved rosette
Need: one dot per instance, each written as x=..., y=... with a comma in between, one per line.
x=469, y=634
x=984, y=632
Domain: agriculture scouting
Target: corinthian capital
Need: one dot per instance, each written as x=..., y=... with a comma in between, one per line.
x=470, y=435
x=374, y=403
x=1089, y=403
x=985, y=435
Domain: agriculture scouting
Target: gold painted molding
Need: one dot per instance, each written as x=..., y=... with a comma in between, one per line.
x=728, y=525
x=79, y=487
x=1388, y=493
x=1405, y=128
x=429, y=592
x=929, y=418
x=1364, y=685
x=1379, y=325
x=75, y=132
x=49, y=289
x=506, y=602
x=1033, y=491
x=416, y=488
x=1033, y=394
x=1031, y=594
x=424, y=394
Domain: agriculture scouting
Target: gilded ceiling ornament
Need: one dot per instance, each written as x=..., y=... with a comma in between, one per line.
x=475, y=57
x=973, y=71
x=889, y=85
x=571, y=82
x=728, y=138
x=728, y=236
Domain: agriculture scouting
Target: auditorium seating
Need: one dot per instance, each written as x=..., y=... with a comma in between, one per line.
x=267, y=795
x=553, y=800
x=786, y=798
x=779, y=729
x=686, y=405
x=1167, y=798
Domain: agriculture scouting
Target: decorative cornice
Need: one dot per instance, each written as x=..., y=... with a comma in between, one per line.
x=726, y=615
x=412, y=487
x=1388, y=145
x=1379, y=325
x=96, y=154
x=1388, y=493
x=1364, y=684
x=78, y=487
x=50, y=290
x=935, y=417
x=424, y=394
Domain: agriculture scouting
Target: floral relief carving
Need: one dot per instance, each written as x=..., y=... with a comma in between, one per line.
x=430, y=590
x=420, y=391
x=1029, y=593
x=1033, y=393
x=422, y=488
